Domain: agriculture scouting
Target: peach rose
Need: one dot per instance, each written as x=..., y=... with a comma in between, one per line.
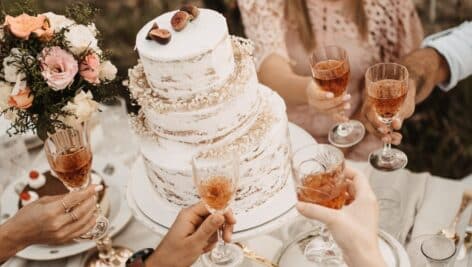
x=90, y=68
x=21, y=98
x=23, y=25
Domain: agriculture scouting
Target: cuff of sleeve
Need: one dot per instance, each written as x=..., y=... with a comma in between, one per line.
x=442, y=46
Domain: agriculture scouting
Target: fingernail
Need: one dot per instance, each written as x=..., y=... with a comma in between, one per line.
x=98, y=188
x=347, y=97
x=347, y=106
x=329, y=95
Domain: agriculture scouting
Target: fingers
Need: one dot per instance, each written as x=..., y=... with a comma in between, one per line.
x=230, y=221
x=326, y=101
x=199, y=209
x=317, y=212
x=84, y=226
x=75, y=198
x=208, y=228
x=397, y=123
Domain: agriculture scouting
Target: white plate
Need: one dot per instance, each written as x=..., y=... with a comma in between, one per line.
x=392, y=251
x=158, y=215
x=119, y=214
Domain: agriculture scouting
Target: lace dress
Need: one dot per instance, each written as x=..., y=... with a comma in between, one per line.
x=394, y=30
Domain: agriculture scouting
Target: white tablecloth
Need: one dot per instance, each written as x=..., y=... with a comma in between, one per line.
x=431, y=203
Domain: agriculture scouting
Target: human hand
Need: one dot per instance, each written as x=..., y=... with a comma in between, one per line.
x=326, y=103
x=375, y=126
x=46, y=222
x=355, y=226
x=192, y=234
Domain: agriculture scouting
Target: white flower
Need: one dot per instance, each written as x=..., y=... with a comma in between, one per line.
x=11, y=66
x=107, y=71
x=82, y=107
x=93, y=28
x=5, y=91
x=58, y=22
x=81, y=38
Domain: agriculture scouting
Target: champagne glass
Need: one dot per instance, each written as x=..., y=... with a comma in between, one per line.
x=432, y=250
x=70, y=157
x=387, y=86
x=319, y=179
x=330, y=69
x=216, y=179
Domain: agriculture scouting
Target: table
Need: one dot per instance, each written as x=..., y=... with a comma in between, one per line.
x=434, y=210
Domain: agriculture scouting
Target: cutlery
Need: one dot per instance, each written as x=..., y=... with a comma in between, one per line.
x=451, y=231
x=250, y=254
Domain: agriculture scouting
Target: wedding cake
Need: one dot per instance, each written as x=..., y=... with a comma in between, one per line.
x=198, y=91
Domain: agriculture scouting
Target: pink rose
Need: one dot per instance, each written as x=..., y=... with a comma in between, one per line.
x=90, y=68
x=23, y=25
x=58, y=67
x=23, y=99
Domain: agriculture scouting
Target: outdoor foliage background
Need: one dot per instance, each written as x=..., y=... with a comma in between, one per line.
x=438, y=138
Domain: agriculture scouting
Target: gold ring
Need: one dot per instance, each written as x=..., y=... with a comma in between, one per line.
x=66, y=209
x=73, y=216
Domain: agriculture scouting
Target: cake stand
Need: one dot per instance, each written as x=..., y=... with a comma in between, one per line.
x=155, y=213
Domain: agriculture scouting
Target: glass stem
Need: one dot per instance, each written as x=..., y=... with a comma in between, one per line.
x=219, y=252
x=344, y=128
x=387, y=146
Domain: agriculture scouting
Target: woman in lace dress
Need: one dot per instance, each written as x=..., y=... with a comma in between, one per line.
x=286, y=31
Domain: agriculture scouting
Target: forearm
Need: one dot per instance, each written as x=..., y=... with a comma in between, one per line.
x=10, y=241
x=426, y=68
x=276, y=73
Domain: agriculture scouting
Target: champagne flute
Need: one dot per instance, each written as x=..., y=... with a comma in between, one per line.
x=330, y=69
x=319, y=179
x=216, y=179
x=387, y=87
x=70, y=157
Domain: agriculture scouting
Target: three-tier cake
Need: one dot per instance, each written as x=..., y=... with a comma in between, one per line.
x=199, y=93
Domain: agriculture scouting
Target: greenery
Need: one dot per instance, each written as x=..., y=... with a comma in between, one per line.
x=44, y=115
x=437, y=138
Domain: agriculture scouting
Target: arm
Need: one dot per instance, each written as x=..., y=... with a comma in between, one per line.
x=277, y=73
x=56, y=227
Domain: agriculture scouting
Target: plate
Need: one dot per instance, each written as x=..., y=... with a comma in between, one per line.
x=158, y=215
x=393, y=252
x=119, y=214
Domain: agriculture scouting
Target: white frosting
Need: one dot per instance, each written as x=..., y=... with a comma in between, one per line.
x=37, y=183
x=96, y=179
x=264, y=160
x=33, y=197
x=196, y=59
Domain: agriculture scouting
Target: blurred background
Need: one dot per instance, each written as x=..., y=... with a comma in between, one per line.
x=437, y=139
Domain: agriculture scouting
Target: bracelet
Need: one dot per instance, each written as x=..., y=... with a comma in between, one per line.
x=138, y=258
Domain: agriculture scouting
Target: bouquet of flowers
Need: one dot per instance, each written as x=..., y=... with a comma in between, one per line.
x=53, y=72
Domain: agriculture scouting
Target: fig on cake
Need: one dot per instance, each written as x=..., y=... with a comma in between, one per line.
x=192, y=10
x=36, y=180
x=180, y=20
x=161, y=36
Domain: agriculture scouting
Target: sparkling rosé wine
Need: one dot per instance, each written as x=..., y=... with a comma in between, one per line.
x=332, y=76
x=216, y=192
x=325, y=189
x=387, y=97
x=72, y=166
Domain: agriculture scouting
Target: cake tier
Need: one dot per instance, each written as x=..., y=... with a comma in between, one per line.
x=263, y=149
x=196, y=59
x=206, y=117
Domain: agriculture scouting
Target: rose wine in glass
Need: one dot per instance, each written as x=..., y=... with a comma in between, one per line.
x=387, y=87
x=216, y=179
x=70, y=157
x=330, y=69
x=318, y=175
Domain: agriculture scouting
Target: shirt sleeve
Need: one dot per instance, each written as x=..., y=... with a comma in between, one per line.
x=455, y=45
x=264, y=24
